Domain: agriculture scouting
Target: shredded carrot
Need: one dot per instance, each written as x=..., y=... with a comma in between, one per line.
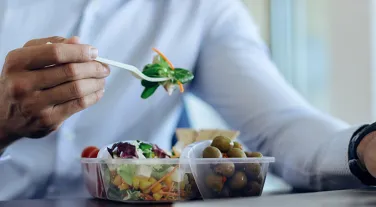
x=147, y=197
x=169, y=194
x=172, y=185
x=160, y=180
x=164, y=58
x=181, y=87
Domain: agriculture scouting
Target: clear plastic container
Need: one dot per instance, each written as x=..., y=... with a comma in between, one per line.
x=230, y=177
x=139, y=180
x=218, y=178
x=93, y=178
x=172, y=180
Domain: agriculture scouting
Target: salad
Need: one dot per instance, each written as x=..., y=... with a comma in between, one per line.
x=148, y=176
x=163, y=68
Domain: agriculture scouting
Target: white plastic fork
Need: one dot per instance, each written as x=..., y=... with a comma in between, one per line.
x=135, y=71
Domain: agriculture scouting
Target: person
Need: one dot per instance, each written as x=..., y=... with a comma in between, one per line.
x=56, y=100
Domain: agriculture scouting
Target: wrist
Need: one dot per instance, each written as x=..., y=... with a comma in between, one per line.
x=5, y=140
x=362, y=146
x=357, y=147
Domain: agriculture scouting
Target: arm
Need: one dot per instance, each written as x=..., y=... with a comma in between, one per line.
x=236, y=76
x=35, y=101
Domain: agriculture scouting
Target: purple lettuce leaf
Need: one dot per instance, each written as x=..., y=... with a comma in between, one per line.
x=160, y=153
x=123, y=150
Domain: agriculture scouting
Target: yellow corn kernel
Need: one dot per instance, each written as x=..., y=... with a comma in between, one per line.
x=146, y=191
x=136, y=182
x=123, y=186
x=144, y=184
x=168, y=181
x=152, y=180
x=117, y=180
x=157, y=196
x=142, y=178
x=156, y=188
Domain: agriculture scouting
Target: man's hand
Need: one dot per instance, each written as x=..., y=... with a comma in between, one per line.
x=367, y=153
x=41, y=85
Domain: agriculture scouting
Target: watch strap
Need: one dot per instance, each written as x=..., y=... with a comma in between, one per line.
x=356, y=167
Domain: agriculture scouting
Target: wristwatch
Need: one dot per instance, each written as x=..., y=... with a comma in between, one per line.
x=356, y=167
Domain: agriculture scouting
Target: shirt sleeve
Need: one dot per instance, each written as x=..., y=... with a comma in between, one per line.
x=25, y=167
x=236, y=76
x=4, y=158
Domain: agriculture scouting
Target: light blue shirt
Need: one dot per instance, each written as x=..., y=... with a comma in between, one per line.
x=217, y=40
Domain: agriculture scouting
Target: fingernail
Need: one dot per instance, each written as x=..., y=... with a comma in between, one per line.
x=93, y=53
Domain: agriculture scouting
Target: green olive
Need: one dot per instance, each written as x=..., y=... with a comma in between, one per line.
x=238, y=181
x=238, y=145
x=260, y=179
x=253, y=189
x=253, y=154
x=252, y=169
x=214, y=182
x=211, y=152
x=194, y=191
x=225, y=169
x=225, y=192
x=236, y=152
x=224, y=144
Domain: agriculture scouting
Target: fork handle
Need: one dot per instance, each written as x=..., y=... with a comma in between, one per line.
x=135, y=72
x=117, y=64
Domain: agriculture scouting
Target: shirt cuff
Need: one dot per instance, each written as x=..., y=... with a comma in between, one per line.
x=333, y=165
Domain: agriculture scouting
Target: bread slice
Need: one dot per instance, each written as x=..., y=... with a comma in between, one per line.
x=189, y=136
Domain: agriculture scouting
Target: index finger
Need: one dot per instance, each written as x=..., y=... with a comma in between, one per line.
x=40, y=56
x=54, y=39
x=42, y=41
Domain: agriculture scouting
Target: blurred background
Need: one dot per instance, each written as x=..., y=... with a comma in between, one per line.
x=324, y=48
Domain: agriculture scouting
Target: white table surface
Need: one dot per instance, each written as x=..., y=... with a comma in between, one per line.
x=330, y=198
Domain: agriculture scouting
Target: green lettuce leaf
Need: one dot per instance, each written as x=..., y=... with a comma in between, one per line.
x=162, y=62
x=148, y=91
x=146, y=149
x=114, y=193
x=160, y=68
x=159, y=171
x=127, y=172
x=132, y=195
x=107, y=174
x=183, y=75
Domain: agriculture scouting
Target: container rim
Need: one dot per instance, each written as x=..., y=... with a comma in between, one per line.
x=156, y=161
